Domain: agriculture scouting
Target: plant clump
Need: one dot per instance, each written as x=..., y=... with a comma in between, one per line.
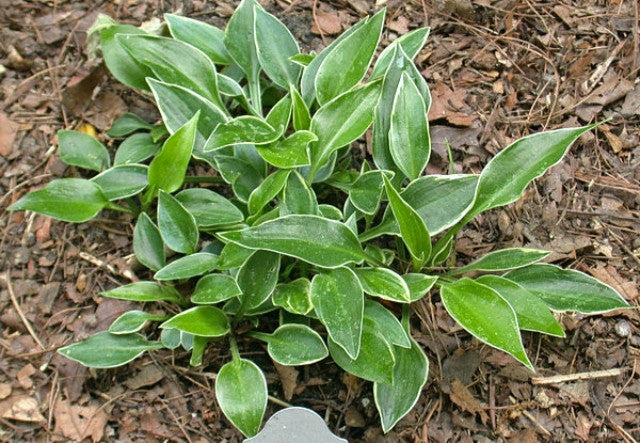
x=292, y=227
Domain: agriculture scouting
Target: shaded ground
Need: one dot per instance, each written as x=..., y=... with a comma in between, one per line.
x=498, y=70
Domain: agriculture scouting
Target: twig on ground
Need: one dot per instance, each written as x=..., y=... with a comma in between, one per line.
x=535, y=421
x=279, y=402
x=101, y=264
x=16, y=306
x=601, y=70
x=175, y=418
x=314, y=7
x=578, y=376
x=624, y=247
x=624, y=434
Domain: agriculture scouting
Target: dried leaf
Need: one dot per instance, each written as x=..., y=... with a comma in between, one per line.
x=80, y=88
x=450, y=105
x=609, y=275
x=148, y=376
x=8, y=130
x=22, y=408
x=79, y=422
x=327, y=22
x=289, y=379
x=24, y=376
x=462, y=397
x=5, y=390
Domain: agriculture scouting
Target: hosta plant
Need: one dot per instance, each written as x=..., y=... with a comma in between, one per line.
x=289, y=240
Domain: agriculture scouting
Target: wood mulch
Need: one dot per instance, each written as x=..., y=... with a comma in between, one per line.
x=498, y=70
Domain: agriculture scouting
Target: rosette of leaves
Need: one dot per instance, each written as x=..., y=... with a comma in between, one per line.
x=285, y=223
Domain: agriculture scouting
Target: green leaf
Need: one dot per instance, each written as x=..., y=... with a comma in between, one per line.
x=383, y=283
x=504, y=259
x=319, y=241
x=419, y=284
x=177, y=226
x=303, y=59
x=338, y=299
x=144, y=291
x=384, y=321
x=301, y=116
x=506, y=176
x=135, y=149
x=82, y=150
x=175, y=62
x=243, y=129
x=275, y=46
x=440, y=201
x=330, y=212
x=566, y=289
x=412, y=229
x=73, y=200
x=232, y=307
x=230, y=88
x=257, y=278
x=298, y=197
x=209, y=208
x=487, y=316
x=106, y=350
x=147, y=243
x=374, y=362
x=295, y=297
x=342, y=121
x=241, y=392
x=532, y=313
x=122, y=181
x=395, y=400
x=295, y=344
x=188, y=266
x=204, y=321
x=233, y=256
x=411, y=43
x=159, y=131
x=409, y=141
x=400, y=64
x=308, y=81
x=240, y=174
x=203, y=36
x=170, y=338
x=178, y=105
x=291, y=152
x=132, y=321
x=214, y=288
x=128, y=124
x=366, y=192
x=186, y=340
x=169, y=167
x=280, y=113
x=240, y=41
x=125, y=68
x=347, y=63
x=267, y=191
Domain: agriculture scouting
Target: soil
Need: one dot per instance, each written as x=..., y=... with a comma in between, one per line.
x=498, y=70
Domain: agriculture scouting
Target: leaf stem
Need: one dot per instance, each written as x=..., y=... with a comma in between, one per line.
x=133, y=205
x=259, y=335
x=256, y=94
x=406, y=316
x=117, y=207
x=234, y=348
